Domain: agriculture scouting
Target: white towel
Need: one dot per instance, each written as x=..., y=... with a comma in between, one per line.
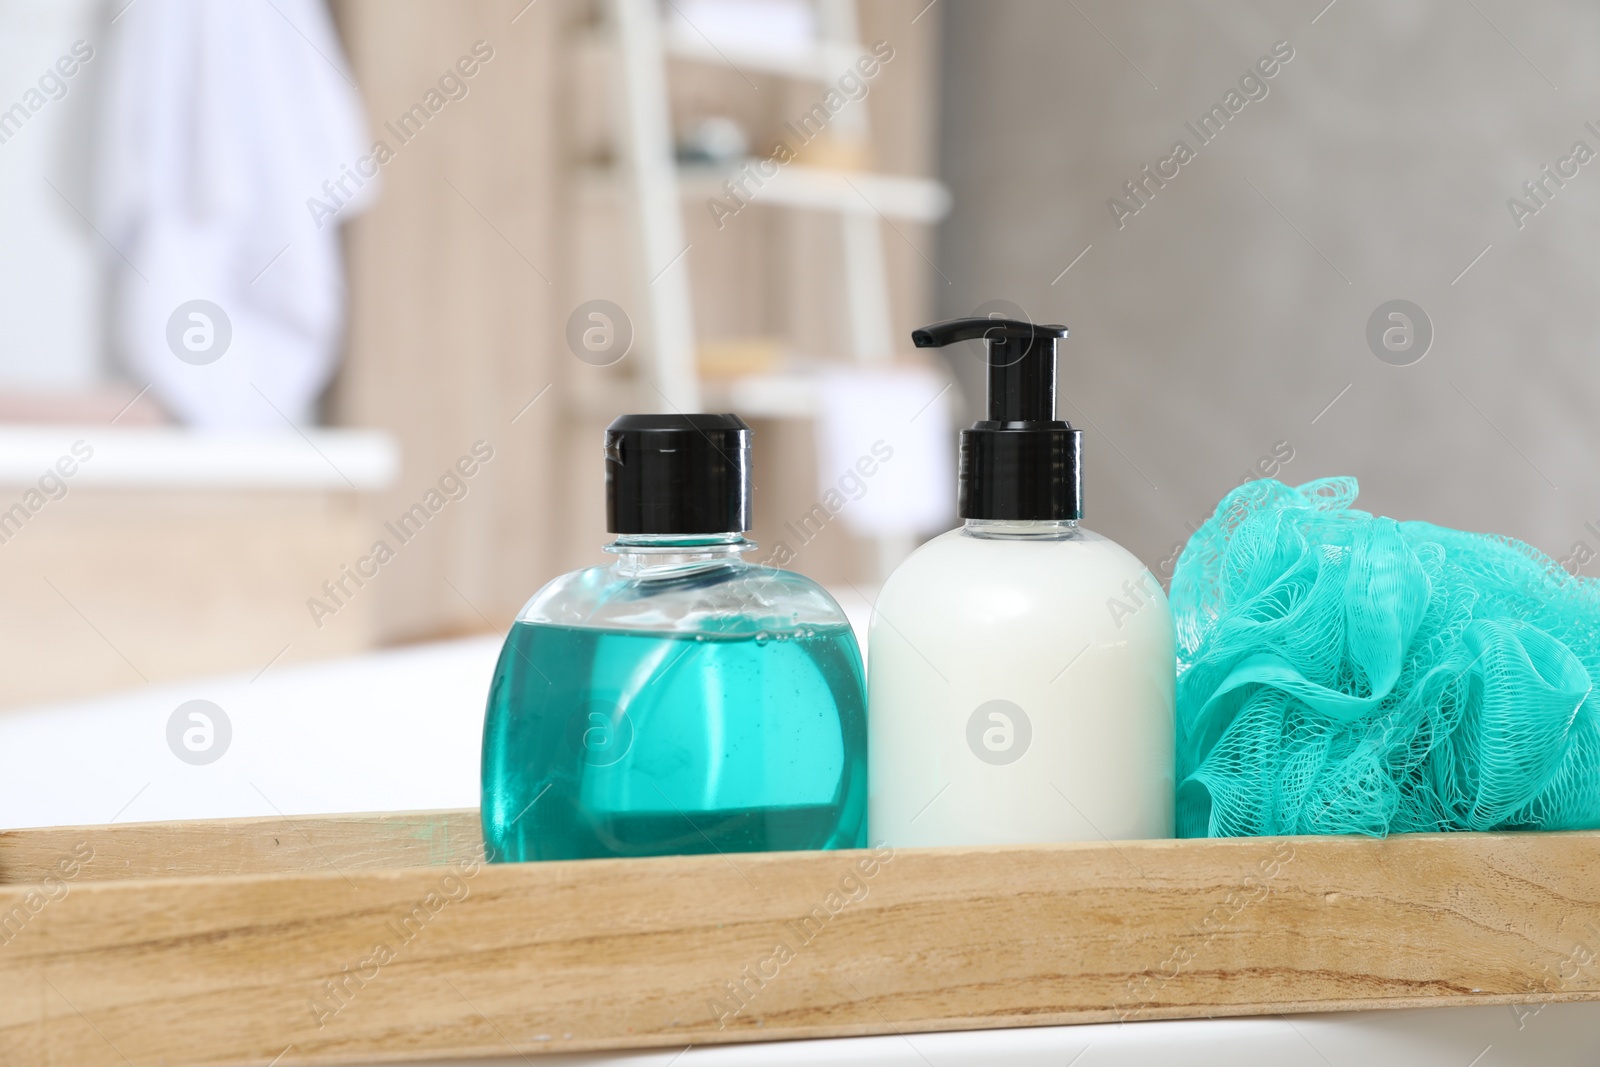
x=885, y=459
x=222, y=120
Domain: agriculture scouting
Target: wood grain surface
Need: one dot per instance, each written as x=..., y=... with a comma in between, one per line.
x=273, y=845
x=349, y=962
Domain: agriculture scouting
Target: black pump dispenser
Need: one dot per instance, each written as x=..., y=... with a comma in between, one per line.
x=1021, y=463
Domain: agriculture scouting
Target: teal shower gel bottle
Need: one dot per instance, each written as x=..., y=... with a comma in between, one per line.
x=679, y=700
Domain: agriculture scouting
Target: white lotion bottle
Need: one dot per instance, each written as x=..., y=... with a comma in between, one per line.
x=1021, y=668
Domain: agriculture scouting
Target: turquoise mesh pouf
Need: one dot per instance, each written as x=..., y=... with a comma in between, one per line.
x=1344, y=673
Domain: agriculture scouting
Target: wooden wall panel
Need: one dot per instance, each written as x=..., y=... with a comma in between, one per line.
x=454, y=329
x=455, y=325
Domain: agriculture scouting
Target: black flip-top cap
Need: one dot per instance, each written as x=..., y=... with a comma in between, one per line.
x=1021, y=462
x=678, y=474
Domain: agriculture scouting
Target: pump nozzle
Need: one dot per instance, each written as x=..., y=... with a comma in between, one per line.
x=1022, y=363
x=1021, y=462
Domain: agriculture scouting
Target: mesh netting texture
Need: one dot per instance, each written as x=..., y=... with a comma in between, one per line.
x=1345, y=673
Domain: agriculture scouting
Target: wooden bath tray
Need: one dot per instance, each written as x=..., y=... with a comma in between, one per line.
x=365, y=939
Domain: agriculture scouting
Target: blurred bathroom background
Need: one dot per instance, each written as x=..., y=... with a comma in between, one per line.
x=282, y=282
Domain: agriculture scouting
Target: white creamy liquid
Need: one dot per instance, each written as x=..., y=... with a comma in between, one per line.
x=1020, y=691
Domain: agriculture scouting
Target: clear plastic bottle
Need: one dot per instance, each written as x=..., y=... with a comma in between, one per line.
x=679, y=700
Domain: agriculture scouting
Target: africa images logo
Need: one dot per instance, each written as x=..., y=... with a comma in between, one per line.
x=999, y=732
x=199, y=332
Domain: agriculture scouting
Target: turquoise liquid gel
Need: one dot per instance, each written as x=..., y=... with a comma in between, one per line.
x=625, y=742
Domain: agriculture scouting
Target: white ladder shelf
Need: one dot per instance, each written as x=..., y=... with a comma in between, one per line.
x=658, y=185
